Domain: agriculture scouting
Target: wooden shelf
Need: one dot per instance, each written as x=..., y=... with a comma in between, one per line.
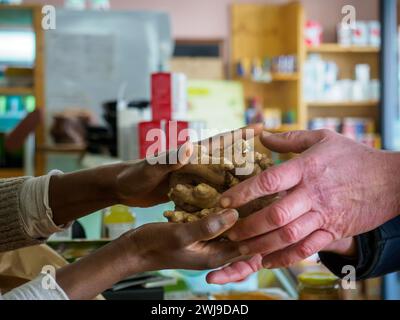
x=341, y=104
x=285, y=128
x=285, y=77
x=274, y=77
x=16, y=91
x=11, y=172
x=19, y=6
x=337, y=48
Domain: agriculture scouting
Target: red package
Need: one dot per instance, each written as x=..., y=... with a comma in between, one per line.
x=158, y=136
x=161, y=96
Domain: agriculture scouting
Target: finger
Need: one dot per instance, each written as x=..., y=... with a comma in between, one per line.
x=227, y=138
x=275, y=216
x=236, y=271
x=298, y=252
x=278, y=178
x=282, y=237
x=293, y=141
x=172, y=160
x=222, y=252
x=209, y=227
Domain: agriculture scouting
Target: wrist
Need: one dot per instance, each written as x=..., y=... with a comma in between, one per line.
x=134, y=257
x=344, y=247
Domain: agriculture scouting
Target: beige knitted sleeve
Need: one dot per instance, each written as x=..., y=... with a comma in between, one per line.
x=12, y=232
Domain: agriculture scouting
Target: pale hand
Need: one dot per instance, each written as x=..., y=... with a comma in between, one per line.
x=336, y=189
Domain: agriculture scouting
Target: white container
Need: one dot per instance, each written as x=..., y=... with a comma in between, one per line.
x=362, y=73
x=344, y=34
x=358, y=91
x=346, y=89
x=360, y=34
x=179, y=96
x=374, y=89
x=374, y=33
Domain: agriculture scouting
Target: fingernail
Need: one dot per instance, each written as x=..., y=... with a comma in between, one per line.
x=225, y=202
x=232, y=236
x=244, y=250
x=184, y=152
x=229, y=216
x=188, y=152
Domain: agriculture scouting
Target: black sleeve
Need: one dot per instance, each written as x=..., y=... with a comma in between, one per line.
x=378, y=253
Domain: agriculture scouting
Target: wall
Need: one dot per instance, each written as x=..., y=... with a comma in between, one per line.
x=205, y=19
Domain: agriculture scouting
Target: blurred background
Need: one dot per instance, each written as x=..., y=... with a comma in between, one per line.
x=82, y=82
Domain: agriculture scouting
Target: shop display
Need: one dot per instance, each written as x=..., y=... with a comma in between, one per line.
x=262, y=70
x=196, y=187
x=322, y=83
x=359, y=129
x=364, y=33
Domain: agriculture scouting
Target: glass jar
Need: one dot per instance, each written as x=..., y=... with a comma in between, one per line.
x=318, y=286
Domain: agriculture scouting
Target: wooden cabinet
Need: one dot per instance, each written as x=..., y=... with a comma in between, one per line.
x=27, y=17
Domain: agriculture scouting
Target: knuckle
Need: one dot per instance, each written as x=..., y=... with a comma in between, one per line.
x=311, y=162
x=207, y=229
x=290, y=234
x=178, y=237
x=148, y=170
x=269, y=181
x=305, y=251
x=324, y=133
x=285, y=261
x=279, y=216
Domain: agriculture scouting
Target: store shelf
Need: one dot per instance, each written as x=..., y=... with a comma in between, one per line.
x=324, y=104
x=18, y=6
x=16, y=91
x=285, y=77
x=11, y=172
x=275, y=77
x=337, y=48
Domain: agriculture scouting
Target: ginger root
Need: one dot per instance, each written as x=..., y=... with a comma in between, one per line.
x=196, y=187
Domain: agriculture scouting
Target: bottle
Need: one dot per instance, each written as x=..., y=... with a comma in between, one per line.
x=118, y=220
x=318, y=286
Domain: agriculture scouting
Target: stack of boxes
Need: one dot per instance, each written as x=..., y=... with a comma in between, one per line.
x=166, y=130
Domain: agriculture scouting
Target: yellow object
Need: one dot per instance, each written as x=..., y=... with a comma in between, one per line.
x=318, y=286
x=118, y=220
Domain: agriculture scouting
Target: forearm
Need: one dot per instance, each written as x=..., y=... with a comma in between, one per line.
x=73, y=195
x=97, y=272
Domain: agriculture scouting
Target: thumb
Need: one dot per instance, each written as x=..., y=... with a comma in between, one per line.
x=169, y=161
x=292, y=141
x=209, y=227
